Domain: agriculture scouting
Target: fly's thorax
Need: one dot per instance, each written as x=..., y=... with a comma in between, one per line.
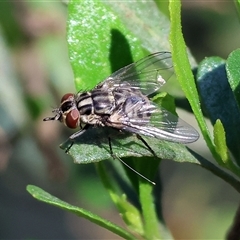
x=95, y=102
x=103, y=102
x=84, y=103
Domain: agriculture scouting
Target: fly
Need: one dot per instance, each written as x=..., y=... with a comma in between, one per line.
x=122, y=102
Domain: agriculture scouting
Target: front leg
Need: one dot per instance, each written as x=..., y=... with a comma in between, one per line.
x=75, y=135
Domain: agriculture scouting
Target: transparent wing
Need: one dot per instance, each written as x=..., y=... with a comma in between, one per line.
x=146, y=118
x=146, y=75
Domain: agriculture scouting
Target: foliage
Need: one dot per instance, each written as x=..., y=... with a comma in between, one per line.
x=101, y=39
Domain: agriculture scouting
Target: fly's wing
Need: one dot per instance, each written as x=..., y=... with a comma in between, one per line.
x=146, y=75
x=140, y=116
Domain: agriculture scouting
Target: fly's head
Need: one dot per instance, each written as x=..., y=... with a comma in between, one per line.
x=67, y=112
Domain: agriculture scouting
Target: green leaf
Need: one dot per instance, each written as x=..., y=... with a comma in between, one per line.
x=220, y=140
x=95, y=34
x=103, y=37
x=151, y=27
x=43, y=196
x=93, y=146
x=218, y=100
x=233, y=73
x=184, y=73
x=146, y=22
x=130, y=215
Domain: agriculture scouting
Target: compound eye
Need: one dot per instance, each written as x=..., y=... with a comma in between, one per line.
x=72, y=118
x=67, y=96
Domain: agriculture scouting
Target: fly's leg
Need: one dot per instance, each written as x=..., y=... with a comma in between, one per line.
x=116, y=157
x=110, y=147
x=111, y=151
x=69, y=147
x=75, y=135
x=146, y=144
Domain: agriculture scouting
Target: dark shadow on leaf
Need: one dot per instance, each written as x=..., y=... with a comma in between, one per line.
x=120, y=53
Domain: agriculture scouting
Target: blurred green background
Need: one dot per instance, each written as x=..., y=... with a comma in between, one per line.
x=34, y=74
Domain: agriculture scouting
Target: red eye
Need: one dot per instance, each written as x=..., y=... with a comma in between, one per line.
x=67, y=96
x=72, y=119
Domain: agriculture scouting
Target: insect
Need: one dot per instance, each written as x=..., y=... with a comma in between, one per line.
x=122, y=102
